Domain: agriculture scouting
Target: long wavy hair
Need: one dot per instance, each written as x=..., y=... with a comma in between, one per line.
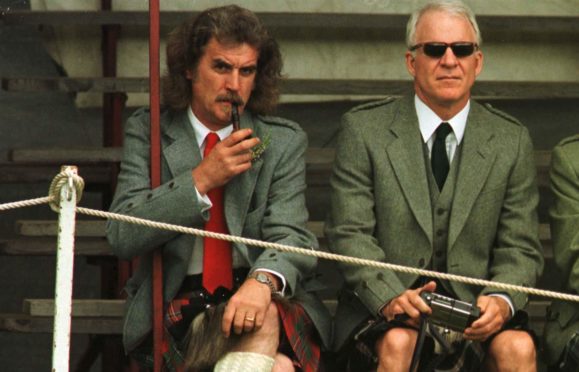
x=228, y=25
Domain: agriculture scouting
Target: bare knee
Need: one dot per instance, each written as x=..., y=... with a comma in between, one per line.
x=282, y=363
x=395, y=348
x=397, y=340
x=514, y=344
x=264, y=340
x=511, y=350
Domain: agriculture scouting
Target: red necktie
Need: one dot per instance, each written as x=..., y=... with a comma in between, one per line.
x=217, y=267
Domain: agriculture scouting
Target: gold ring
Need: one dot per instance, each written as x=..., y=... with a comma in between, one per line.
x=251, y=319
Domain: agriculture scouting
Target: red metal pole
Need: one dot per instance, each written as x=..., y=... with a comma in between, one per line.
x=154, y=82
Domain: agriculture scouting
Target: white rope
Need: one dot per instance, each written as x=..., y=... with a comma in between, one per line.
x=303, y=251
x=68, y=176
x=26, y=203
x=326, y=255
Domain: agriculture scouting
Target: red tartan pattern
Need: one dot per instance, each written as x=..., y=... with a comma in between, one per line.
x=301, y=335
x=297, y=326
x=173, y=314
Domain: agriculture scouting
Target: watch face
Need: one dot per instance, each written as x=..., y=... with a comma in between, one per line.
x=262, y=278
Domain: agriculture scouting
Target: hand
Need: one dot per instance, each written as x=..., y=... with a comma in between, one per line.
x=245, y=310
x=409, y=303
x=495, y=312
x=226, y=160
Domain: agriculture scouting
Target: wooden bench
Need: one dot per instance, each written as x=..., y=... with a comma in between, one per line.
x=487, y=90
x=35, y=164
x=382, y=18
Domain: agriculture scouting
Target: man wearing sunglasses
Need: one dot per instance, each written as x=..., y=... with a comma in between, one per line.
x=439, y=182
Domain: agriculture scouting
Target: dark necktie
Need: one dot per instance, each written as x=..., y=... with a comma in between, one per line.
x=439, y=158
x=217, y=265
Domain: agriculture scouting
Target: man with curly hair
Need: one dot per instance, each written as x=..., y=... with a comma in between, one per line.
x=248, y=182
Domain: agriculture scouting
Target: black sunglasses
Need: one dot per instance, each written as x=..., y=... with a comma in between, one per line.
x=437, y=50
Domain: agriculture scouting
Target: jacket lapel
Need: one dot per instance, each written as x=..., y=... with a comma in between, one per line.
x=477, y=157
x=407, y=160
x=240, y=189
x=181, y=151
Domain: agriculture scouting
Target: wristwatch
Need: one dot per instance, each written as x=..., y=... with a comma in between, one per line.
x=264, y=279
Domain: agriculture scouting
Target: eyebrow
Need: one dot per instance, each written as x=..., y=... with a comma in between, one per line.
x=220, y=62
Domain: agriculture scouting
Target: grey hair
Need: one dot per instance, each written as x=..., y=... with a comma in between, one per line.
x=449, y=6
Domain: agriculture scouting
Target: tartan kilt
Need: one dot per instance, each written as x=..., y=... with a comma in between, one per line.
x=468, y=356
x=299, y=338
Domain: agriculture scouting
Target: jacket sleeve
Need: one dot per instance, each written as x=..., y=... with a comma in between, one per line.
x=173, y=202
x=285, y=215
x=352, y=220
x=517, y=256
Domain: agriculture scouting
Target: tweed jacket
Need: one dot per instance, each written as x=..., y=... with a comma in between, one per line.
x=381, y=207
x=563, y=316
x=266, y=202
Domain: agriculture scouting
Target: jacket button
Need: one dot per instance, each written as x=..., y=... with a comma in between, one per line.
x=421, y=262
x=130, y=205
x=440, y=211
x=438, y=254
x=149, y=196
x=440, y=232
x=172, y=185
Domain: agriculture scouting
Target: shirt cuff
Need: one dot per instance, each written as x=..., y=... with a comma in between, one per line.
x=278, y=275
x=506, y=298
x=203, y=201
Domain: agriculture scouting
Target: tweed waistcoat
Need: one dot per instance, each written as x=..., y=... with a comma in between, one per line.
x=441, y=202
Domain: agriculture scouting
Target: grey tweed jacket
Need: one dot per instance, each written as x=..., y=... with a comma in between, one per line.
x=267, y=203
x=381, y=207
x=563, y=316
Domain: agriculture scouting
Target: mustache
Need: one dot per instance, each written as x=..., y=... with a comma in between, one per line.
x=232, y=97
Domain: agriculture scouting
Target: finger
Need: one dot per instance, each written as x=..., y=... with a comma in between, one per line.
x=485, y=318
x=429, y=287
x=484, y=330
x=249, y=322
x=245, y=145
x=420, y=304
x=259, y=319
x=236, y=137
x=239, y=322
x=243, y=158
x=409, y=308
x=226, y=321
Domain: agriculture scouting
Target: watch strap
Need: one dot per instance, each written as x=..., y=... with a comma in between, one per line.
x=265, y=279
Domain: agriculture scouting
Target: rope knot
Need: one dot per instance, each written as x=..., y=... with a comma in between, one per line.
x=69, y=178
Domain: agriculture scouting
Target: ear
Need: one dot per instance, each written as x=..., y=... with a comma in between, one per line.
x=410, y=60
x=479, y=62
x=189, y=74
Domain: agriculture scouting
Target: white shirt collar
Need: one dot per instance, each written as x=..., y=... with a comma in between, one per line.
x=201, y=131
x=428, y=121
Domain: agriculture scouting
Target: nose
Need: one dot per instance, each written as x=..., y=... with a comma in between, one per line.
x=233, y=80
x=448, y=58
